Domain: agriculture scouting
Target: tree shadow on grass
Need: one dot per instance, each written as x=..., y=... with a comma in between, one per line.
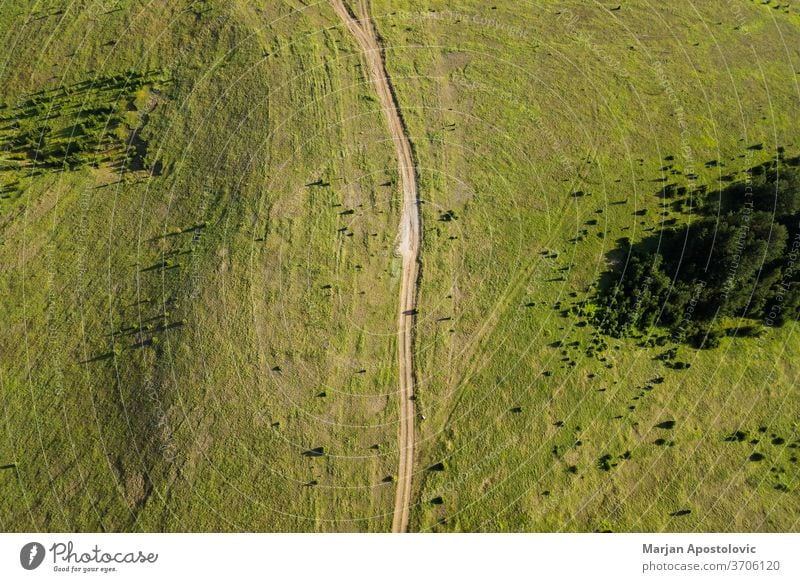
x=731, y=256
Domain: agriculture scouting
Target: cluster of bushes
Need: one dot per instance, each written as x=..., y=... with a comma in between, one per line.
x=91, y=123
x=739, y=259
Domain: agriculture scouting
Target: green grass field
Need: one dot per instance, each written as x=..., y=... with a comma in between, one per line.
x=198, y=213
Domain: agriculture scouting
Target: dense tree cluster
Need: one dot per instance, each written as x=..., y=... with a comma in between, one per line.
x=739, y=259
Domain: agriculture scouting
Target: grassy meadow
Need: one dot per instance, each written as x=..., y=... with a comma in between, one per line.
x=178, y=334
x=198, y=214
x=549, y=130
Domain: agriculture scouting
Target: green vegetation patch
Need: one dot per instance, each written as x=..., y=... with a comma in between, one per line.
x=737, y=260
x=96, y=122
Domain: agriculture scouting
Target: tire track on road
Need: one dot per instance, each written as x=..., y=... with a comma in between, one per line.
x=408, y=246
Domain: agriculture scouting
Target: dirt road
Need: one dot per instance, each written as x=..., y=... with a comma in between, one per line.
x=361, y=27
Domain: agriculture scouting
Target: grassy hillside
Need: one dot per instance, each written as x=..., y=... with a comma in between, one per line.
x=179, y=331
x=549, y=129
x=198, y=211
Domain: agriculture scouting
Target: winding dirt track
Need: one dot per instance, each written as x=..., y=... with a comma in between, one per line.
x=408, y=246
